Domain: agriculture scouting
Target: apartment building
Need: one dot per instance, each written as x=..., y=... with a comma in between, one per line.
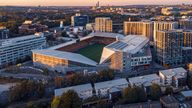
x=173, y=47
x=175, y=77
x=144, y=28
x=103, y=24
x=79, y=20
x=14, y=49
x=163, y=25
x=4, y=33
x=168, y=47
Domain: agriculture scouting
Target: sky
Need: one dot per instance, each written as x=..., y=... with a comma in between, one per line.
x=87, y=2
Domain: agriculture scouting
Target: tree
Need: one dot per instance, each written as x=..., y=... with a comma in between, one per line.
x=55, y=102
x=106, y=75
x=129, y=95
x=155, y=92
x=142, y=96
x=26, y=90
x=64, y=34
x=169, y=90
x=70, y=99
x=58, y=81
x=103, y=104
x=189, y=82
x=134, y=94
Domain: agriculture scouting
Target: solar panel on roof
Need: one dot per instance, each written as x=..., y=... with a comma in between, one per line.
x=118, y=45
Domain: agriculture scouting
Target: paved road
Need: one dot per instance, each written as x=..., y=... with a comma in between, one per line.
x=26, y=76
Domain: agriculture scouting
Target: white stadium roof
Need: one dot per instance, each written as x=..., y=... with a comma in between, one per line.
x=130, y=44
x=98, y=34
x=66, y=55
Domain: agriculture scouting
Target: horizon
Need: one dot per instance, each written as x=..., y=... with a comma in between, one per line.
x=91, y=2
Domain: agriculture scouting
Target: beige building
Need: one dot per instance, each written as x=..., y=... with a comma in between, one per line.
x=144, y=28
x=163, y=25
x=103, y=24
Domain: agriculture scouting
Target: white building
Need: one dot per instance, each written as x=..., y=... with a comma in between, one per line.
x=146, y=80
x=174, y=77
x=19, y=48
x=84, y=91
x=128, y=52
x=103, y=88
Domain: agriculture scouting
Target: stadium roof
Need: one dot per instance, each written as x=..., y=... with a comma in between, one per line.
x=91, y=35
x=66, y=55
x=110, y=84
x=145, y=80
x=130, y=44
x=177, y=72
x=78, y=89
x=105, y=34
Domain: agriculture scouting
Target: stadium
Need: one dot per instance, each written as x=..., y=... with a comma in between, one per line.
x=84, y=52
x=96, y=51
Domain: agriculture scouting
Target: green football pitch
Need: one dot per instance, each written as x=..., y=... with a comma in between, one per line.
x=92, y=51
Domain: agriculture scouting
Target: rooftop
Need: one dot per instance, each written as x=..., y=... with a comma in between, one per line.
x=130, y=43
x=66, y=55
x=177, y=72
x=187, y=93
x=169, y=99
x=110, y=84
x=5, y=42
x=78, y=89
x=98, y=34
x=145, y=80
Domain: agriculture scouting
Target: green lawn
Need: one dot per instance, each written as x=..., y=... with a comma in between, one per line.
x=92, y=51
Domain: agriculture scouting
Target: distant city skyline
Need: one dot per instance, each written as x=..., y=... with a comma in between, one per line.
x=88, y=2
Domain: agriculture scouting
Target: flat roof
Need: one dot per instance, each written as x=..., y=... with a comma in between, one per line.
x=66, y=55
x=177, y=72
x=78, y=89
x=130, y=43
x=110, y=84
x=146, y=79
x=169, y=99
x=9, y=41
x=187, y=93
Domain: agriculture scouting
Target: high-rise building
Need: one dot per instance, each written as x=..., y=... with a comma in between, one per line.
x=103, y=24
x=187, y=46
x=144, y=28
x=168, y=47
x=19, y=48
x=185, y=24
x=79, y=20
x=162, y=25
x=4, y=33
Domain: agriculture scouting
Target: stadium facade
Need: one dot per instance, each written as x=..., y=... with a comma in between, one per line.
x=120, y=53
